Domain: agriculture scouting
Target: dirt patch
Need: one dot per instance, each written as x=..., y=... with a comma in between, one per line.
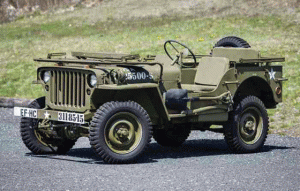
x=10, y=10
x=132, y=9
x=103, y=10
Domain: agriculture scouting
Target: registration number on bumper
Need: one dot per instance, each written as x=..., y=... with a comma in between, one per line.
x=70, y=117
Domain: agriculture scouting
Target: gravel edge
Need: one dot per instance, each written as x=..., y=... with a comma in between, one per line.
x=14, y=102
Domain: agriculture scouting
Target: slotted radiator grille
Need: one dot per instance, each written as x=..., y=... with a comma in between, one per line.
x=68, y=88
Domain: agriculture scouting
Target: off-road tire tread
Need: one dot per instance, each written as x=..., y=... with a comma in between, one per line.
x=29, y=138
x=232, y=41
x=100, y=116
x=230, y=128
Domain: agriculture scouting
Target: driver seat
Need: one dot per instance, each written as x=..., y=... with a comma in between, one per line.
x=209, y=74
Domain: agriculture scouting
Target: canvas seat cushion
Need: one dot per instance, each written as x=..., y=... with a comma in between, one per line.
x=211, y=70
x=209, y=74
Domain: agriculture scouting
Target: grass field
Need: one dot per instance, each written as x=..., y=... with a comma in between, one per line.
x=29, y=38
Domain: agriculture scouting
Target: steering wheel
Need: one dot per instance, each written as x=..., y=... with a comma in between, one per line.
x=176, y=42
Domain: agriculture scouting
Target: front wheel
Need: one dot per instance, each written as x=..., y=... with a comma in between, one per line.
x=42, y=141
x=120, y=131
x=247, y=128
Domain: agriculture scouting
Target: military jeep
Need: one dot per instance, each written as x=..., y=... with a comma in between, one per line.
x=120, y=101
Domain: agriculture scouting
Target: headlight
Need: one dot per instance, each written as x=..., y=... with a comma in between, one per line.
x=46, y=76
x=93, y=80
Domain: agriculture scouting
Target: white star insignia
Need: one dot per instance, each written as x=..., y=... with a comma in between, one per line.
x=272, y=74
x=47, y=115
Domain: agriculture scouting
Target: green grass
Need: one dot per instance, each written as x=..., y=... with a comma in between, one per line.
x=20, y=42
x=26, y=39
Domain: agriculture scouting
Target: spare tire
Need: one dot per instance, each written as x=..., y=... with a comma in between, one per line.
x=232, y=41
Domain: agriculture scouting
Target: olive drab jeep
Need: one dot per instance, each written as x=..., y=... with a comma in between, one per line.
x=120, y=101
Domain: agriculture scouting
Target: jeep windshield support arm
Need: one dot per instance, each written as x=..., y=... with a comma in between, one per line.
x=108, y=56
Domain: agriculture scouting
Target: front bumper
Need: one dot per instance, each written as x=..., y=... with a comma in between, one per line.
x=69, y=117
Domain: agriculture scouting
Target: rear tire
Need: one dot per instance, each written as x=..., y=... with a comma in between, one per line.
x=39, y=142
x=120, y=131
x=232, y=41
x=172, y=137
x=248, y=125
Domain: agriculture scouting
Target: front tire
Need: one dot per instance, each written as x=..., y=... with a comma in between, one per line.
x=120, y=131
x=247, y=128
x=38, y=141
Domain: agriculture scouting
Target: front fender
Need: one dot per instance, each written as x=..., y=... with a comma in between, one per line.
x=146, y=94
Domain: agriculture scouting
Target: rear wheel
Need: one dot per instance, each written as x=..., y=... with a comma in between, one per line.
x=232, y=41
x=120, y=131
x=172, y=137
x=42, y=141
x=247, y=128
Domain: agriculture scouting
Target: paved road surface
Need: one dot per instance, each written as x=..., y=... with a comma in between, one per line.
x=202, y=163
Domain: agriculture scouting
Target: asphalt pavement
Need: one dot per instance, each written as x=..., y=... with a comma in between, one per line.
x=202, y=163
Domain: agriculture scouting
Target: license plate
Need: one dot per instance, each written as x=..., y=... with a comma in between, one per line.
x=70, y=117
x=49, y=114
x=25, y=112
